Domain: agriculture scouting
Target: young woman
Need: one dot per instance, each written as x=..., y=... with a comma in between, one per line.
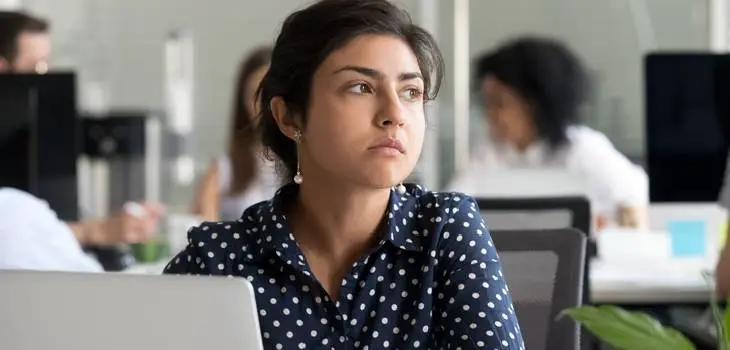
x=534, y=90
x=346, y=256
x=241, y=177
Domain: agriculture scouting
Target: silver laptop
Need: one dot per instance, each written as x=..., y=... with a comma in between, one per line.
x=52, y=310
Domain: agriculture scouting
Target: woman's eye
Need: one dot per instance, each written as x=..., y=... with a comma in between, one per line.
x=412, y=94
x=360, y=88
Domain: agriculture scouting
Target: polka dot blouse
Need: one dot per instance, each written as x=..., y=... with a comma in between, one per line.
x=433, y=282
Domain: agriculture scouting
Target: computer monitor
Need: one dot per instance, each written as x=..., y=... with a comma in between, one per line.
x=39, y=138
x=687, y=125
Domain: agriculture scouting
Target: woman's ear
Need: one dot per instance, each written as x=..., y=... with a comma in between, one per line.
x=287, y=122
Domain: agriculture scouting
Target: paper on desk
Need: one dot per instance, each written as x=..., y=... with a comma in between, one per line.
x=666, y=273
x=628, y=244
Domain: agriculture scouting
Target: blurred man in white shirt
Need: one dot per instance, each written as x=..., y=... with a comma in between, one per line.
x=32, y=236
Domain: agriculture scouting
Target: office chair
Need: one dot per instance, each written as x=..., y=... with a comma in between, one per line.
x=544, y=270
x=542, y=213
x=545, y=213
x=537, y=213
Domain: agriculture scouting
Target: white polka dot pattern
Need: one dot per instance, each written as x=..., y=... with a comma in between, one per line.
x=433, y=282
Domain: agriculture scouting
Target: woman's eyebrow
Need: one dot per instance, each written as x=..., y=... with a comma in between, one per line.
x=374, y=73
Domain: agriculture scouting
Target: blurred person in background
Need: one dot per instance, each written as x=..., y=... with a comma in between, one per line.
x=25, y=43
x=534, y=91
x=31, y=235
x=242, y=176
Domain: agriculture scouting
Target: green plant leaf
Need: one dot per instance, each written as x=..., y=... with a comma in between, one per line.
x=628, y=330
x=719, y=322
x=720, y=319
x=725, y=341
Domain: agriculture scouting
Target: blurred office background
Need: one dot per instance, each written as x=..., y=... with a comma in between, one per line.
x=116, y=46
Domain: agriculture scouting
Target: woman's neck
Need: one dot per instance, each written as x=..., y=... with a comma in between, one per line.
x=337, y=217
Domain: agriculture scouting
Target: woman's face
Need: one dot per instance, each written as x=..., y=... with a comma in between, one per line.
x=249, y=94
x=365, y=120
x=509, y=116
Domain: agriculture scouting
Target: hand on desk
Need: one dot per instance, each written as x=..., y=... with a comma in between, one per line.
x=134, y=223
x=625, y=217
x=632, y=217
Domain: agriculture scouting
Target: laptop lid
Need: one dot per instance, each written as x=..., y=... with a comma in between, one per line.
x=82, y=311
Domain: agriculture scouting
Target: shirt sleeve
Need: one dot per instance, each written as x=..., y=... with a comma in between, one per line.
x=473, y=305
x=615, y=178
x=32, y=237
x=189, y=261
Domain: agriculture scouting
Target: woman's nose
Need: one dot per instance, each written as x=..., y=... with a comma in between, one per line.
x=391, y=113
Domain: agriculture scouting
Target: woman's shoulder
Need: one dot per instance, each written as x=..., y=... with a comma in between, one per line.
x=441, y=209
x=241, y=236
x=453, y=221
x=440, y=201
x=585, y=138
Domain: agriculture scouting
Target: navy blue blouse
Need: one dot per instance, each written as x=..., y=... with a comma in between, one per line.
x=433, y=282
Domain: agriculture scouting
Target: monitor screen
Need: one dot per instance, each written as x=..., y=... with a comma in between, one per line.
x=39, y=138
x=687, y=125
x=15, y=139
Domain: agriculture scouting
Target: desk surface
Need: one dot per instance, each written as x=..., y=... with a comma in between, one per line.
x=672, y=281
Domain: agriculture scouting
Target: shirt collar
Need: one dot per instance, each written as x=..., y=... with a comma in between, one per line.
x=401, y=217
x=272, y=234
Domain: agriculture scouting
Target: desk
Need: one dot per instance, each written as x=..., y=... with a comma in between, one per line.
x=671, y=281
x=674, y=281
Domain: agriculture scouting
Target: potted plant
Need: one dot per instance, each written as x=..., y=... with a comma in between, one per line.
x=627, y=330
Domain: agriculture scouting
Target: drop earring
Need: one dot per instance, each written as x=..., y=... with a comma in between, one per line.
x=298, y=178
x=401, y=188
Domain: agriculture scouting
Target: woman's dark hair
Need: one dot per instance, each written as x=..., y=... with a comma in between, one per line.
x=547, y=75
x=243, y=140
x=310, y=35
